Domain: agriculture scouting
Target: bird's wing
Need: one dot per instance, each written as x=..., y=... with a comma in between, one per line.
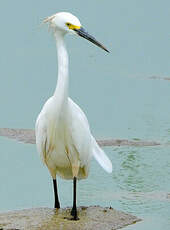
x=80, y=132
x=83, y=139
x=41, y=131
x=41, y=136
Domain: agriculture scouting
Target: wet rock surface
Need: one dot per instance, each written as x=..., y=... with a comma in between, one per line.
x=91, y=218
x=27, y=136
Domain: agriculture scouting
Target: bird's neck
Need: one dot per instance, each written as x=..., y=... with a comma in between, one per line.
x=61, y=91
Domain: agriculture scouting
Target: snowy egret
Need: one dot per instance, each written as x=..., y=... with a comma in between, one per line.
x=63, y=136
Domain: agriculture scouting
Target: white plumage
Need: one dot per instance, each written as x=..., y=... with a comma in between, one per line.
x=63, y=136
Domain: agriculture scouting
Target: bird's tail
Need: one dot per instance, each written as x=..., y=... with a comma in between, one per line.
x=101, y=157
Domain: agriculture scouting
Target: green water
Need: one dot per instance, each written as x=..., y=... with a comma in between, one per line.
x=115, y=91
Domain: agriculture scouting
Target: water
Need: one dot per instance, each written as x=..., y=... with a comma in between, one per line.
x=114, y=90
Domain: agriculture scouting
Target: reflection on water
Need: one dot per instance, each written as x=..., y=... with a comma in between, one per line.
x=129, y=176
x=139, y=183
x=140, y=177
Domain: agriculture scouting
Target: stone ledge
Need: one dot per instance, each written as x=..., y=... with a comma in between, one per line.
x=93, y=217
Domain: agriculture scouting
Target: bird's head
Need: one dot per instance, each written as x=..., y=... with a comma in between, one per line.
x=64, y=23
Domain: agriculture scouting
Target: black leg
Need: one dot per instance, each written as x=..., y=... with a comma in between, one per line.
x=57, y=203
x=74, y=209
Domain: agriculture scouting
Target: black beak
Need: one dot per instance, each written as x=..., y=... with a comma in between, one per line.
x=81, y=32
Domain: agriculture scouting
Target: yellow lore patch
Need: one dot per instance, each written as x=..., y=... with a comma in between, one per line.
x=71, y=26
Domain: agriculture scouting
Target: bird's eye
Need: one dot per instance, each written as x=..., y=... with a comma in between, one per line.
x=68, y=24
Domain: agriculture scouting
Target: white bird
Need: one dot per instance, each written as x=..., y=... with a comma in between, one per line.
x=63, y=136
